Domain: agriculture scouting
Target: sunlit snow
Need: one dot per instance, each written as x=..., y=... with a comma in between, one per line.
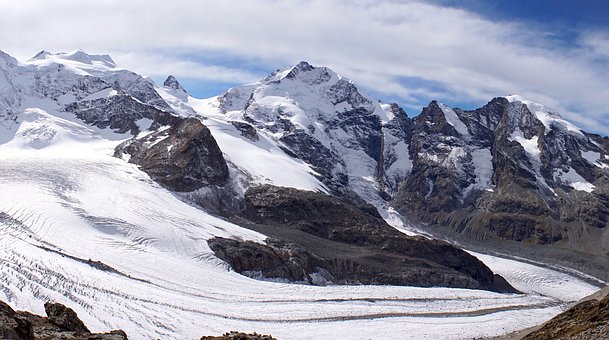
x=66, y=202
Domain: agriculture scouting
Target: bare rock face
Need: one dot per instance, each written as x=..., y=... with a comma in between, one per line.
x=508, y=171
x=64, y=318
x=184, y=157
x=246, y=130
x=61, y=323
x=14, y=326
x=323, y=236
x=120, y=113
x=275, y=259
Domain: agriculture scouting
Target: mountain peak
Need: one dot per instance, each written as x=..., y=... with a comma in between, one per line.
x=79, y=56
x=548, y=116
x=304, y=67
x=172, y=83
x=44, y=54
x=174, y=86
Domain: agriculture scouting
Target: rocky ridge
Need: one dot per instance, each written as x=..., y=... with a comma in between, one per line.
x=324, y=240
x=507, y=171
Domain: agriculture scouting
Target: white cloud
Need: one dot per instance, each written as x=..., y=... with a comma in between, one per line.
x=158, y=65
x=598, y=42
x=375, y=43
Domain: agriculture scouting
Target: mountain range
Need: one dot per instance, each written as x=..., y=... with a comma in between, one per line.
x=115, y=189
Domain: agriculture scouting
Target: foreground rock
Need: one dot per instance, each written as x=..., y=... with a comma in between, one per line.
x=61, y=323
x=326, y=240
x=587, y=320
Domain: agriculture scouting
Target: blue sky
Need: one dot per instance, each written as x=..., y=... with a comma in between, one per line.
x=461, y=52
x=565, y=15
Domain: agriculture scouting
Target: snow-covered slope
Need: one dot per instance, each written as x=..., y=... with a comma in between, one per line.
x=94, y=232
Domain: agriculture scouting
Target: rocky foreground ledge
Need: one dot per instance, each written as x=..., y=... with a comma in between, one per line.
x=589, y=319
x=61, y=323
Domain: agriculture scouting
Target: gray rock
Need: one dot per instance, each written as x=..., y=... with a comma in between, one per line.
x=120, y=113
x=353, y=245
x=61, y=323
x=589, y=319
x=526, y=203
x=64, y=318
x=184, y=157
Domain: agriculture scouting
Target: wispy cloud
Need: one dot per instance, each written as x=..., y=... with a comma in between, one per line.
x=156, y=64
x=376, y=43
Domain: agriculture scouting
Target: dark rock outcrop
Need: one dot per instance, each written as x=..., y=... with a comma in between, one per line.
x=184, y=157
x=120, y=113
x=347, y=244
x=64, y=318
x=61, y=323
x=234, y=335
x=246, y=130
x=588, y=319
x=277, y=259
x=13, y=325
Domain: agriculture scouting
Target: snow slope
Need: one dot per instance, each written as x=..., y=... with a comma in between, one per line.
x=66, y=203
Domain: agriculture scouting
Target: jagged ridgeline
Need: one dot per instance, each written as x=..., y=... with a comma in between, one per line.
x=272, y=189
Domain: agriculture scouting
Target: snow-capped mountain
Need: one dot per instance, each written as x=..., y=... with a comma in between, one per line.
x=108, y=180
x=320, y=118
x=512, y=169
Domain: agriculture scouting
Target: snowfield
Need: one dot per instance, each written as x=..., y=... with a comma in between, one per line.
x=65, y=202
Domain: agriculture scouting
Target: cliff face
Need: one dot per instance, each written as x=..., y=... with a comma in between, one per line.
x=183, y=157
x=327, y=240
x=510, y=170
